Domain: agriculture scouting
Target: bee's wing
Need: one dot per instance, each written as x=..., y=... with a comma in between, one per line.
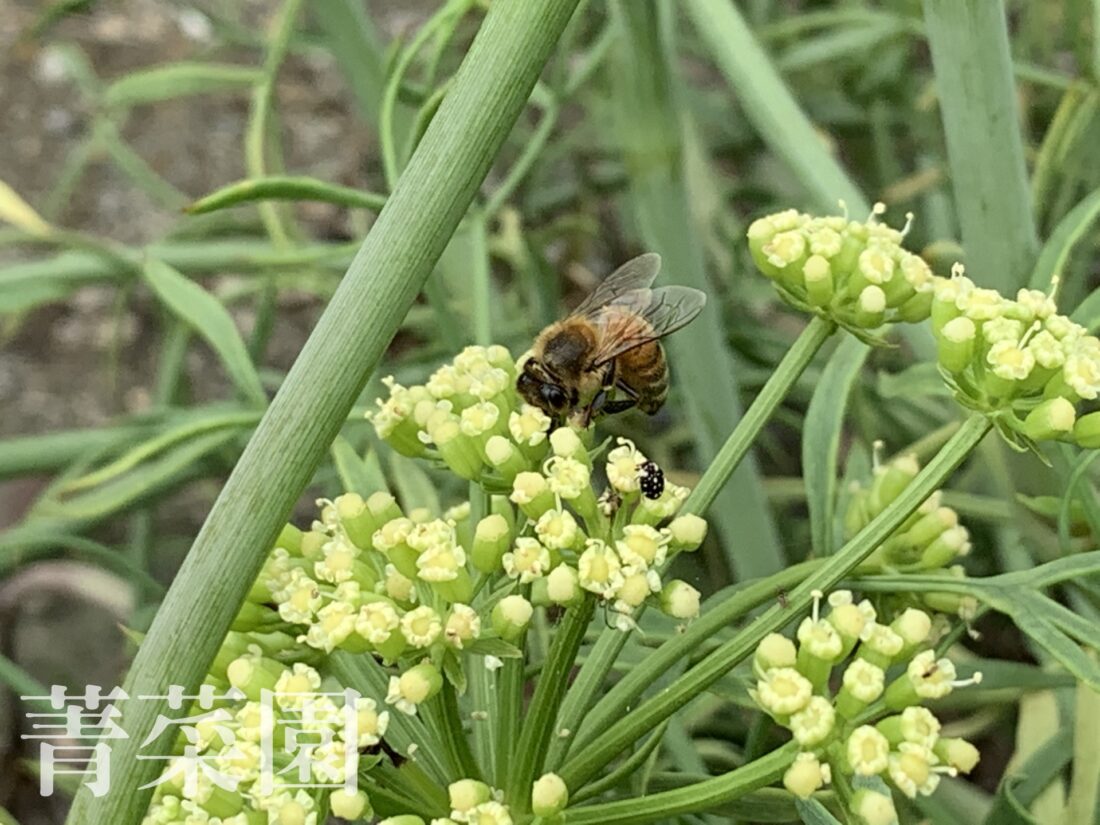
x=643, y=315
x=637, y=273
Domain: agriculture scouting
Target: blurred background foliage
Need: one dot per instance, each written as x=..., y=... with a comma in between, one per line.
x=202, y=174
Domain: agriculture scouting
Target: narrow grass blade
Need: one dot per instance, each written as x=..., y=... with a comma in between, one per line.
x=358, y=474
x=974, y=80
x=205, y=314
x=770, y=106
x=1056, y=251
x=285, y=188
x=354, y=41
x=491, y=89
x=821, y=438
x=645, y=90
x=178, y=80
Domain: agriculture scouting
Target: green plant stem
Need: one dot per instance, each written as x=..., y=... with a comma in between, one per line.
x=539, y=721
x=698, y=796
x=651, y=713
x=490, y=90
x=508, y=713
x=628, y=768
x=582, y=693
x=977, y=94
x=454, y=734
x=743, y=598
x=748, y=428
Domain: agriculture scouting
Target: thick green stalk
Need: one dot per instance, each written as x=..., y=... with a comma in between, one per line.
x=651, y=713
x=698, y=796
x=977, y=92
x=613, y=706
x=491, y=88
x=538, y=725
x=763, y=406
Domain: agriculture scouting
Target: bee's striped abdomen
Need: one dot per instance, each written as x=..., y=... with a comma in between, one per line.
x=645, y=371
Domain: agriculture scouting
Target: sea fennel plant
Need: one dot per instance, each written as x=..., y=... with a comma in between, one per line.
x=430, y=617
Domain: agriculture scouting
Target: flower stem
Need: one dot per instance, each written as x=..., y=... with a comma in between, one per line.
x=453, y=736
x=509, y=706
x=748, y=428
x=649, y=714
x=698, y=796
x=614, y=703
x=539, y=725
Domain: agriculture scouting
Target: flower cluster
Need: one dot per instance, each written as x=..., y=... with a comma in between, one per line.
x=855, y=273
x=549, y=529
x=873, y=724
x=221, y=774
x=928, y=542
x=1018, y=360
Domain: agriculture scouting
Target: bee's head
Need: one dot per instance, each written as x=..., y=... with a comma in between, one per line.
x=537, y=387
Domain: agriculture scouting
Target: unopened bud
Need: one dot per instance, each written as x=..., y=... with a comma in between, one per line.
x=492, y=538
x=687, y=532
x=466, y=794
x=510, y=617
x=680, y=600
x=1050, y=420
x=549, y=795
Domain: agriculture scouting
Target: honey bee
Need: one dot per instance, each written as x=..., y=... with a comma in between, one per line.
x=610, y=344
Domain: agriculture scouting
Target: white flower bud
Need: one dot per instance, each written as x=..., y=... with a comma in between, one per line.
x=687, y=532
x=348, y=804
x=511, y=616
x=805, y=775
x=680, y=600
x=549, y=795
x=563, y=584
x=467, y=794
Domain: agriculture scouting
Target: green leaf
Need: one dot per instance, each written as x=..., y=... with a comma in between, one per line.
x=1087, y=313
x=770, y=106
x=493, y=646
x=358, y=474
x=977, y=95
x=147, y=479
x=413, y=486
x=918, y=381
x=1021, y=787
x=1067, y=652
x=813, y=812
x=205, y=314
x=1056, y=251
x=174, y=80
x=821, y=438
x=285, y=188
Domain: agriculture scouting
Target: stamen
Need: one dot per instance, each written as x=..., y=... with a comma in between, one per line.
x=945, y=769
x=976, y=679
x=843, y=207
x=817, y=596
x=878, y=209
x=1055, y=285
x=909, y=216
x=1035, y=327
x=957, y=270
x=877, y=449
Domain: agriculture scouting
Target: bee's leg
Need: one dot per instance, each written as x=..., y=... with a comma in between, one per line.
x=619, y=405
